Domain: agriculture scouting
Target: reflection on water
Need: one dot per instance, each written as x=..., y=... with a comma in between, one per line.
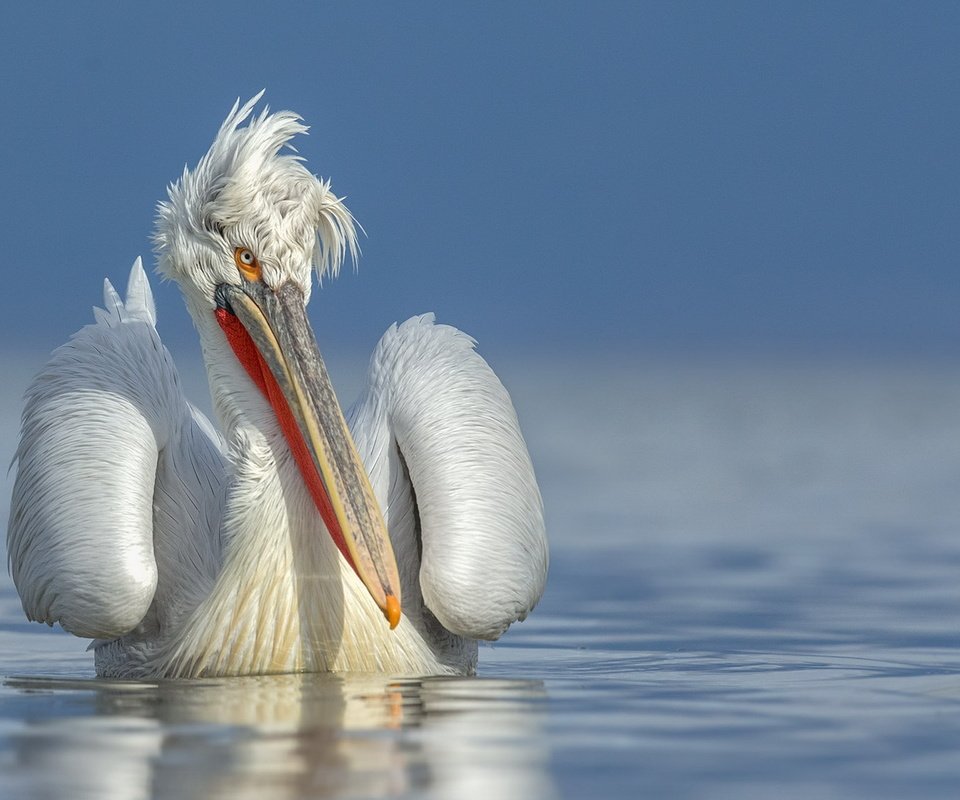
x=276, y=737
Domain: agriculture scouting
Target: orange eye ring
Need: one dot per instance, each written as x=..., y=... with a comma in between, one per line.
x=247, y=263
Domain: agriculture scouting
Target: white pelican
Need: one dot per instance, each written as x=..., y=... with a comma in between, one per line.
x=184, y=553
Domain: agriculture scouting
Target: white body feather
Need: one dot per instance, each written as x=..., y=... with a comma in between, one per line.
x=129, y=524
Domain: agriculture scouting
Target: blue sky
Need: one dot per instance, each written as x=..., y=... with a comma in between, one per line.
x=613, y=176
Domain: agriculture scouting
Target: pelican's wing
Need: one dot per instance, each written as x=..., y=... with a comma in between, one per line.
x=434, y=410
x=109, y=451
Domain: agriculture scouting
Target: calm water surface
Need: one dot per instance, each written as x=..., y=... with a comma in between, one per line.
x=754, y=593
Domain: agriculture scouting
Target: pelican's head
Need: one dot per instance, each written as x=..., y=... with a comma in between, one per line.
x=246, y=194
x=241, y=235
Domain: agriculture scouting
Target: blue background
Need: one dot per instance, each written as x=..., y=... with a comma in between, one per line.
x=596, y=176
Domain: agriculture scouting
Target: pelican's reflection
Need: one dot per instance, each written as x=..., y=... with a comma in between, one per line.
x=279, y=737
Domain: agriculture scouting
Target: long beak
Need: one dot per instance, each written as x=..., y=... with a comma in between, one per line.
x=271, y=335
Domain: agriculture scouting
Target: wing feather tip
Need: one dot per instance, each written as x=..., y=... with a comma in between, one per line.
x=138, y=305
x=139, y=302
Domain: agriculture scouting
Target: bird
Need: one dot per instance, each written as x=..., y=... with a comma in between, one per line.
x=294, y=537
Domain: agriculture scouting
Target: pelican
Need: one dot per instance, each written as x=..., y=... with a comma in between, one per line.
x=390, y=539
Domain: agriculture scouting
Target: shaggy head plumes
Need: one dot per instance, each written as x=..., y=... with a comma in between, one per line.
x=244, y=193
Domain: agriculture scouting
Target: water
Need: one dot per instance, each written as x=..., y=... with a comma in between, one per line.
x=754, y=592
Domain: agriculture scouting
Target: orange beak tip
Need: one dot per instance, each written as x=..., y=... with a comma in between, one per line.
x=391, y=610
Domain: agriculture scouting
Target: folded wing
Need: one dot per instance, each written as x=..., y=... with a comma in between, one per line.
x=434, y=411
x=102, y=425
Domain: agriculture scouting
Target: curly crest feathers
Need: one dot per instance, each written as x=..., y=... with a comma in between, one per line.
x=244, y=183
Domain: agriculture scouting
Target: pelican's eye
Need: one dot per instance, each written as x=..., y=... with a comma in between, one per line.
x=247, y=263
